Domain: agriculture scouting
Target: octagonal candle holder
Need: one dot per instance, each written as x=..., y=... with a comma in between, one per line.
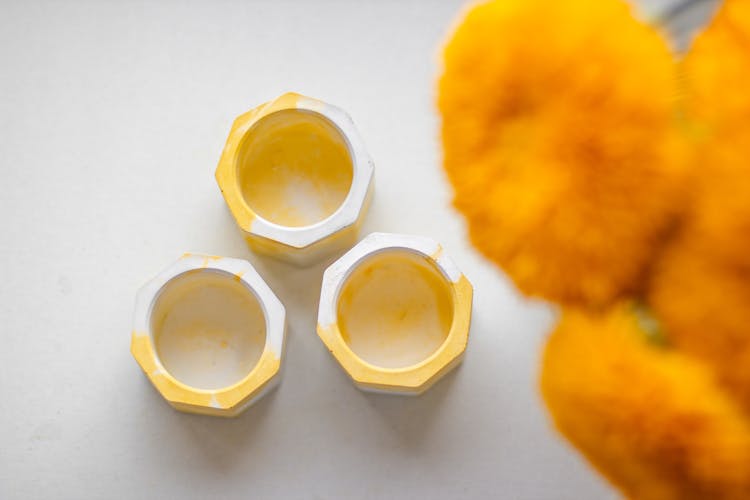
x=209, y=334
x=395, y=312
x=296, y=177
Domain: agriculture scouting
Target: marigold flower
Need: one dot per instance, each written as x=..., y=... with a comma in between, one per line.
x=716, y=72
x=701, y=284
x=559, y=139
x=652, y=420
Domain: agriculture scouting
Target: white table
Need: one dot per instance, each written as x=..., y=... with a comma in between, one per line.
x=112, y=119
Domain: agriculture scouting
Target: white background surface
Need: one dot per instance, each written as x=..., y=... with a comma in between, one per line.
x=112, y=119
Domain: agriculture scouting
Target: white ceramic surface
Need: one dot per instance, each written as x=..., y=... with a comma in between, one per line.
x=303, y=244
x=238, y=395
x=416, y=378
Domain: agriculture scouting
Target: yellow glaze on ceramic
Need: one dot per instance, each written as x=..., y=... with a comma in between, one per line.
x=224, y=402
x=395, y=310
x=209, y=334
x=208, y=330
x=294, y=174
x=336, y=242
x=294, y=168
x=227, y=172
x=402, y=317
x=411, y=379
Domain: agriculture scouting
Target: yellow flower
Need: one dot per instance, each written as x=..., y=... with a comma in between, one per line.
x=701, y=284
x=716, y=72
x=653, y=421
x=559, y=140
x=562, y=145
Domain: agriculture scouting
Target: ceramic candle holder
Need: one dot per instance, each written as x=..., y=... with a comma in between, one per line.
x=395, y=313
x=209, y=334
x=296, y=177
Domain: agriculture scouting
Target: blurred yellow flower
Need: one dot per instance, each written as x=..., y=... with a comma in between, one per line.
x=716, y=72
x=652, y=420
x=573, y=141
x=559, y=137
x=700, y=287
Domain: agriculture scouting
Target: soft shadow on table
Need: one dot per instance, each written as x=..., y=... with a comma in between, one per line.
x=411, y=418
x=219, y=442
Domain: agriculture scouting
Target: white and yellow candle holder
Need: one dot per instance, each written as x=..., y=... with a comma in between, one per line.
x=395, y=312
x=296, y=177
x=209, y=334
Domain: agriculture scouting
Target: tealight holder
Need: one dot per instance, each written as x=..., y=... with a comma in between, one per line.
x=209, y=334
x=395, y=312
x=296, y=177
